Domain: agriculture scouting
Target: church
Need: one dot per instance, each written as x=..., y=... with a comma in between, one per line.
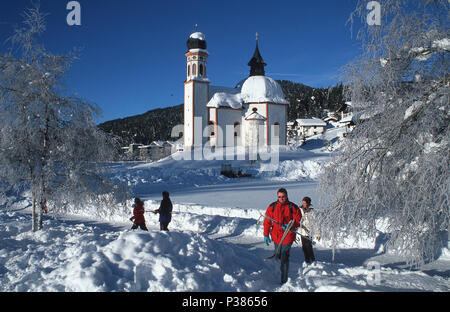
x=252, y=114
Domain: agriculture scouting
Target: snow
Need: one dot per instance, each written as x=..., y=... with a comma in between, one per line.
x=225, y=99
x=257, y=89
x=198, y=35
x=442, y=44
x=311, y=122
x=215, y=240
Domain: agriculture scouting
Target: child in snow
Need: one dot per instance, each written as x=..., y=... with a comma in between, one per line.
x=165, y=211
x=138, y=215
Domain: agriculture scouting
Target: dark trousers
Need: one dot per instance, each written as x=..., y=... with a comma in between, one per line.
x=283, y=255
x=141, y=225
x=308, y=250
x=163, y=226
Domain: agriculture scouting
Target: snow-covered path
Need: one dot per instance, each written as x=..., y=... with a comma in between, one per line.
x=78, y=254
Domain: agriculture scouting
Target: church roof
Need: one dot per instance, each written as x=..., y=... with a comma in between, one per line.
x=196, y=40
x=258, y=89
x=222, y=99
x=257, y=63
x=255, y=89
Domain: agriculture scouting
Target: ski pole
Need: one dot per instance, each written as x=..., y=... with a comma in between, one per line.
x=301, y=225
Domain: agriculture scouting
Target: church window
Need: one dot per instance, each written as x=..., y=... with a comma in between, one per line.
x=276, y=129
x=194, y=70
x=211, y=128
x=200, y=70
x=237, y=129
x=189, y=70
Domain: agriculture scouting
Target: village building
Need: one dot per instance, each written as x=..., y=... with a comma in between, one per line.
x=307, y=127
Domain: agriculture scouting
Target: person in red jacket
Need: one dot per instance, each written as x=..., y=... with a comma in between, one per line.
x=278, y=215
x=138, y=215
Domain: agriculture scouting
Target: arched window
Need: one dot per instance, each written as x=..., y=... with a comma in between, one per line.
x=194, y=70
x=189, y=70
x=211, y=128
x=237, y=129
x=200, y=70
x=276, y=129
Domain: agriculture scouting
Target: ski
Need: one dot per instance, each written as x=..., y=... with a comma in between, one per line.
x=286, y=232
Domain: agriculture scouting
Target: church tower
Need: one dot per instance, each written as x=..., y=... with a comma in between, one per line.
x=196, y=91
x=257, y=63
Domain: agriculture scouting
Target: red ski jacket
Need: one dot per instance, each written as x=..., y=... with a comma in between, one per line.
x=138, y=212
x=282, y=214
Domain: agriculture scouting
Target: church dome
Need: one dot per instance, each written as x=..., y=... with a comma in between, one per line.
x=196, y=40
x=257, y=89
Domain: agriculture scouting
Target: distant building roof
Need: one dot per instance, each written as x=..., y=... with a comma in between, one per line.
x=311, y=122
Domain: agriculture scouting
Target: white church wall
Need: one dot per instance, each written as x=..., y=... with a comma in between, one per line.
x=188, y=115
x=229, y=117
x=277, y=114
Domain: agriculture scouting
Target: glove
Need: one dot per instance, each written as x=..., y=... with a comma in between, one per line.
x=267, y=240
x=284, y=226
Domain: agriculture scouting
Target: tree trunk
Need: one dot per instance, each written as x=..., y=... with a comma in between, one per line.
x=33, y=213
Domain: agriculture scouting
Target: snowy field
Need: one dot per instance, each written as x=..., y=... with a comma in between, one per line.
x=215, y=241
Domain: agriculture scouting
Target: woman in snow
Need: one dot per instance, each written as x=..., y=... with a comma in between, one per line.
x=165, y=211
x=305, y=230
x=138, y=215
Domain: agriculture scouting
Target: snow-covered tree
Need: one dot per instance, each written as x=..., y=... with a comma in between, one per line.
x=394, y=166
x=49, y=143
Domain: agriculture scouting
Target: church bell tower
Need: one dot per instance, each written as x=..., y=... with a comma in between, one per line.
x=196, y=91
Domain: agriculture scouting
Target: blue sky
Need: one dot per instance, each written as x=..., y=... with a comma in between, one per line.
x=132, y=51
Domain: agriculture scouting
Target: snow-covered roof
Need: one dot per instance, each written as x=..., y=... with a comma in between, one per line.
x=199, y=50
x=311, y=122
x=214, y=89
x=198, y=35
x=255, y=116
x=257, y=89
x=225, y=100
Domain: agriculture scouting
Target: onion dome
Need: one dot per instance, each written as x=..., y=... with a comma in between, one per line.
x=196, y=40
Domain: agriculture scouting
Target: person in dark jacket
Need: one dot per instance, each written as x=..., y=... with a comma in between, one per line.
x=138, y=215
x=165, y=211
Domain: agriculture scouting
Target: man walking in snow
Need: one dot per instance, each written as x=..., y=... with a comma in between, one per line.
x=278, y=216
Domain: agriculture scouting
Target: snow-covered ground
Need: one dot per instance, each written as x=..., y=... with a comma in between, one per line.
x=215, y=242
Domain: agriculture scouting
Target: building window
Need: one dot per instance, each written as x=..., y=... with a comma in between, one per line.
x=189, y=70
x=211, y=128
x=200, y=70
x=194, y=70
x=276, y=129
x=237, y=129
